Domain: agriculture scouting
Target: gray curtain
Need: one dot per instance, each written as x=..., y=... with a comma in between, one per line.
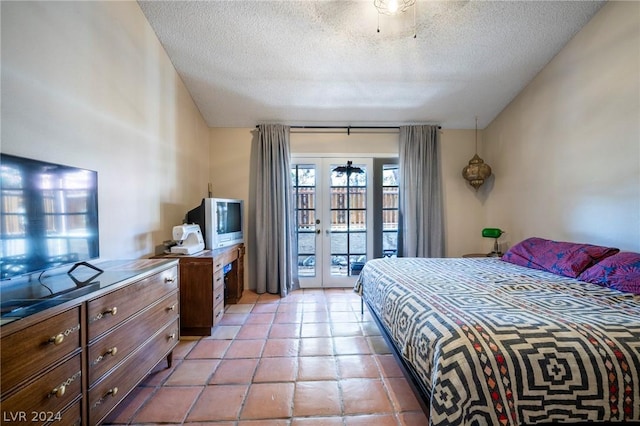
x=275, y=269
x=421, y=219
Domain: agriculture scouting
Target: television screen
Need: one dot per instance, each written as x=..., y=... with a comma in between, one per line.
x=229, y=216
x=48, y=215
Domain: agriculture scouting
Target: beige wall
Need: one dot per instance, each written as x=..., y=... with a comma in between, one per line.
x=231, y=151
x=361, y=142
x=88, y=84
x=464, y=206
x=566, y=151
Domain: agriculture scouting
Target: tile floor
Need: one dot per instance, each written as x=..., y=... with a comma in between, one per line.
x=305, y=360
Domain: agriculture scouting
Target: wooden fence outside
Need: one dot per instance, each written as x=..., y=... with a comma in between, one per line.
x=306, y=205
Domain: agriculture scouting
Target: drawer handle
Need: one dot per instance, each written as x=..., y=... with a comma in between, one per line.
x=169, y=279
x=218, y=296
x=59, y=391
x=113, y=392
x=171, y=336
x=172, y=307
x=218, y=314
x=57, y=339
x=113, y=351
x=111, y=311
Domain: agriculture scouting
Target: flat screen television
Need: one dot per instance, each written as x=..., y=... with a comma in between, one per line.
x=220, y=220
x=48, y=215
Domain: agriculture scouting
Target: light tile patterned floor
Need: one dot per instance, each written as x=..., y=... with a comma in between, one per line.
x=309, y=359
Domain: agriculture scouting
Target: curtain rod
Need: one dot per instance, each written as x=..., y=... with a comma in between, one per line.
x=348, y=128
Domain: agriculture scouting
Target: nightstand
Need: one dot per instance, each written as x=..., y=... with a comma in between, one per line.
x=482, y=255
x=475, y=255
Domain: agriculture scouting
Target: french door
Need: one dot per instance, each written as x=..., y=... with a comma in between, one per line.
x=333, y=198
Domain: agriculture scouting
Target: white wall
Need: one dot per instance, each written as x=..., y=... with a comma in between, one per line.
x=89, y=85
x=566, y=151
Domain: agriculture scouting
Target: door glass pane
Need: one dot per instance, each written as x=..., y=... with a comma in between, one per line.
x=358, y=197
x=338, y=179
x=339, y=265
x=306, y=220
x=338, y=243
x=306, y=263
x=390, y=210
x=356, y=263
x=390, y=243
x=358, y=179
x=358, y=220
x=358, y=242
x=338, y=198
x=306, y=175
x=306, y=240
x=348, y=244
x=304, y=189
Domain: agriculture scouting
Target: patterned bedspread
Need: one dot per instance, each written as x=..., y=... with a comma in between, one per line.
x=495, y=343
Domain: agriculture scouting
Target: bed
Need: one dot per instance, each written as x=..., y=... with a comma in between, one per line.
x=489, y=342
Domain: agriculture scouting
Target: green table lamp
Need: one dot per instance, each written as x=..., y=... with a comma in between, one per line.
x=493, y=233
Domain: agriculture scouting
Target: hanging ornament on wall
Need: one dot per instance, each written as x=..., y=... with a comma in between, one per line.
x=476, y=172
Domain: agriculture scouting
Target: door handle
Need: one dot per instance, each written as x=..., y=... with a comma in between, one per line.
x=318, y=231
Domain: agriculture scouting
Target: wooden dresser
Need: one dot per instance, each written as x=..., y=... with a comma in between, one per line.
x=208, y=280
x=72, y=362
x=42, y=370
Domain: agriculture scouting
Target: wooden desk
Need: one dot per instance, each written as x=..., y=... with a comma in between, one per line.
x=208, y=280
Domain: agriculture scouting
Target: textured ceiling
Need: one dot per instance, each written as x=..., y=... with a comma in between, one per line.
x=324, y=63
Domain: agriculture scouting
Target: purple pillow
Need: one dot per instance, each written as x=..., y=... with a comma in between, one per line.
x=620, y=271
x=558, y=257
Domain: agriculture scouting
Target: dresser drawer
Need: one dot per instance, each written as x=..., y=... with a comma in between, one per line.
x=218, y=287
x=218, y=312
x=71, y=416
x=218, y=295
x=107, y=393
x=115, y=346
x=218, y=279
x=108, y=311
x=218, y=263
x=28, y=351
x=50, y=393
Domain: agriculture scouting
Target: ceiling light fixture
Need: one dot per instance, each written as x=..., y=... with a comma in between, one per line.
x=477, y=171
x=395, y=7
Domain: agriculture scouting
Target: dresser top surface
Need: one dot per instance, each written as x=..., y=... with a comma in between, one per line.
x=23, y=297
x=203, y=254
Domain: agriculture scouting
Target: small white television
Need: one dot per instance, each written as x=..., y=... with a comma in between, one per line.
x=221, y=221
